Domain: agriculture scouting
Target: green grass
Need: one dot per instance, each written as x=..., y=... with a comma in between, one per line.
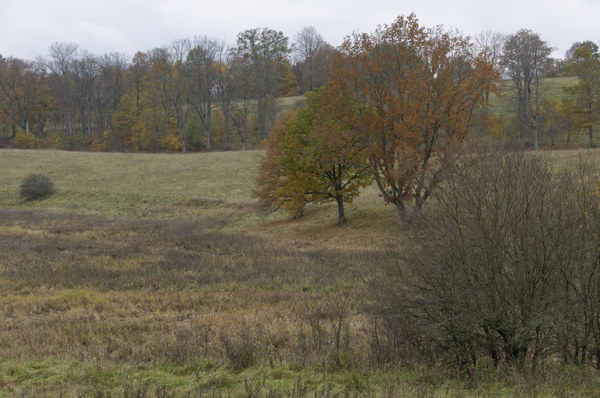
x=551, y=88
x=133, y=185
x=170, y=186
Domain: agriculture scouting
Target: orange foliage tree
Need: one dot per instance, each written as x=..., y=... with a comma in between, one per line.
x=412, y=94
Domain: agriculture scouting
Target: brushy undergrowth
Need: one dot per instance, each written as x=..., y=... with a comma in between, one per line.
x=95, y=306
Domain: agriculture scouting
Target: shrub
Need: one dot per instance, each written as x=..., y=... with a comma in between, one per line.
x=505, y=269
x=24, y=140
x=36, y=187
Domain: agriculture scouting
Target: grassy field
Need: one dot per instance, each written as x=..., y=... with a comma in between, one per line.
x=154, y=276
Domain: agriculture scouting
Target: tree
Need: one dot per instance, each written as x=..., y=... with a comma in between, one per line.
x=490, y=45
x=167, y=94
x=555, y=117
x=243, y=91
x=85, y=78
x=203, y=67
x=133, y=107
x=411, y=93
x=311, y=56
x=25, y=93
x=526, y=56
x=263, y=51
x=226, y=92
x=585, y=64
x=312, y=158
x=62, y=57
x=111, y=87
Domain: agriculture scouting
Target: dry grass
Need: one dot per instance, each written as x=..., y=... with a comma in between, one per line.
x=144, y=293
x=153, y=276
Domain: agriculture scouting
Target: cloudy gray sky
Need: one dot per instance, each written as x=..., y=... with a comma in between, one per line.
x=28, y=27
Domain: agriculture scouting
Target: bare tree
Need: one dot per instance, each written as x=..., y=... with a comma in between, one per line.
x=112, y=84
x=225, y=96
x=311, y=55
x=526, y=56
x=86, y=72
x=62, y=57
x=244, y=90
x=202, y=67
x=490, y=45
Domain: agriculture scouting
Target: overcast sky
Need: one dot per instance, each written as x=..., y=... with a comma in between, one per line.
x=28, y=27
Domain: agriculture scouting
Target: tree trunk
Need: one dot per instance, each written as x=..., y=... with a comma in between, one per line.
x=590, y=135
x=402, y=214
x=262, y=118
x=208, y=134
x=226, y=132
x=341, y=211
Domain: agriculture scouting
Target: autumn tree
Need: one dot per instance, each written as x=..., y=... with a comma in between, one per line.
x=167, y=97
x=24, y=93
x=269, y=172
x=526, y=56
x=312, y=158
x=585, y=64
x=411, y=93
x=555, y=118
x=133, y=108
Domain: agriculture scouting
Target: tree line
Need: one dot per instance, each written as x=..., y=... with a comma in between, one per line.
x=194, y=94
x=199, y=94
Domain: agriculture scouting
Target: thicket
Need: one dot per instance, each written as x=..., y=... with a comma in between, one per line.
x=505, y=270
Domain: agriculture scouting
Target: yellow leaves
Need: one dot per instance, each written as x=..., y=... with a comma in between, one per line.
x=24, y=141
x=310, y=157
x=170, y=143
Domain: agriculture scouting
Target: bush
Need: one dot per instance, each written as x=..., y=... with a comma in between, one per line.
x=505, y=269
x=24, y=140
x=36, y=187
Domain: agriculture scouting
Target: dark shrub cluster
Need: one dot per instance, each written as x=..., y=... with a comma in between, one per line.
x=506, y=271
x=36, y=187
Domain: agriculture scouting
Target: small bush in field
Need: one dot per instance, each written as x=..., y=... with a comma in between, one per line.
x=36, y=187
